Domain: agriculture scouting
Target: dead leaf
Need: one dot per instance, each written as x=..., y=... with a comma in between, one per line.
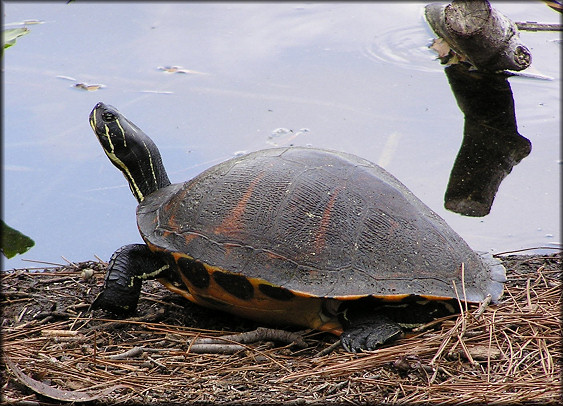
x=54, y=393
x=441, y=47
x=446, y=54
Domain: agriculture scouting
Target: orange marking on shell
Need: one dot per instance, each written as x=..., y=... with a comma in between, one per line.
x=179, y=291
x=178, y=255
x=190, y=237
x=325, y=223
x=393, y=298
x=332, y=327
x=232, y=221
x=432, y=298
x=302, y=310
x=171, y=218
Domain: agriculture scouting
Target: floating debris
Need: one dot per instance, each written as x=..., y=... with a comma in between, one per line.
x=24, y=22
x=90, y=88
x=178, y=69
x=157, y=91
x=82, y=85
x=278, y=132
x=446, y=55
x=10, y=35
x=32, y=22
x=302, y=131
x=281, y=136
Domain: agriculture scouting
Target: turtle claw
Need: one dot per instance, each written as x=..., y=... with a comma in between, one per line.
x=370, y=334
x=121, y=304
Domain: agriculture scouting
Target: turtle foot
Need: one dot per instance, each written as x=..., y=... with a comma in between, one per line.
x=116, y=303
x=122, y=284
x=372, y=332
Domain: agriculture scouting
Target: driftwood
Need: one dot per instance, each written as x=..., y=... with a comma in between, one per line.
x=486, y=38
x=532, y=26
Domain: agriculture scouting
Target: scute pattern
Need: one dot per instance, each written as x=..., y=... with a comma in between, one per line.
x=319, y=222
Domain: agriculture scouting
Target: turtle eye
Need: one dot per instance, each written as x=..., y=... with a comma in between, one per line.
x=107, y=116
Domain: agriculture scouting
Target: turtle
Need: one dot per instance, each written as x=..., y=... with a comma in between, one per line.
x=290, y=236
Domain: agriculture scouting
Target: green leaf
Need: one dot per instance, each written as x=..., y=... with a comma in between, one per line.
x=14, y=242
x=9, y=36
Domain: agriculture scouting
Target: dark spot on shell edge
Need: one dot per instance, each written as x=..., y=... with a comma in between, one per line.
x=276, y=292
x=237, y=285
x=194, y=272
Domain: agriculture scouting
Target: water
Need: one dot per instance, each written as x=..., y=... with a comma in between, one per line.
x=355, y=77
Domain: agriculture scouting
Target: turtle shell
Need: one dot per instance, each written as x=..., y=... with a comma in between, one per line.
x=301, y=222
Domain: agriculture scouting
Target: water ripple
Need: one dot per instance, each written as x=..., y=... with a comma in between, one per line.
x=406, y=47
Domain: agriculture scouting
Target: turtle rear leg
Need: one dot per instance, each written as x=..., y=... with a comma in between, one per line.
x=128, y=267
x=369, y=324
x=369, y=331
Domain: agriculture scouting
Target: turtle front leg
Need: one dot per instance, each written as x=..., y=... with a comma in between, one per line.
x=128, y=267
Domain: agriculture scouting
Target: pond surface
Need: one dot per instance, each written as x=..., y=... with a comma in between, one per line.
x=354, y=77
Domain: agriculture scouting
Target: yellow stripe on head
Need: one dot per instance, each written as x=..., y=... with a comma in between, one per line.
x=121, y=165
x=153, y=173
x=122, y=132
x=130, y=150
x=93, y=122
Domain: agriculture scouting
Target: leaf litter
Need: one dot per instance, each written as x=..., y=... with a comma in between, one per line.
x=55, y=350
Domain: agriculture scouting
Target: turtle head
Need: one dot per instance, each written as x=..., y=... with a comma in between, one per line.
x=130, y=150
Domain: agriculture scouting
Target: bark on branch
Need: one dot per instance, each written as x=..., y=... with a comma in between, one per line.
x=488, y=40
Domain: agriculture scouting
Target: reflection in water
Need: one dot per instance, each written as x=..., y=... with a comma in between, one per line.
x=491, y=143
